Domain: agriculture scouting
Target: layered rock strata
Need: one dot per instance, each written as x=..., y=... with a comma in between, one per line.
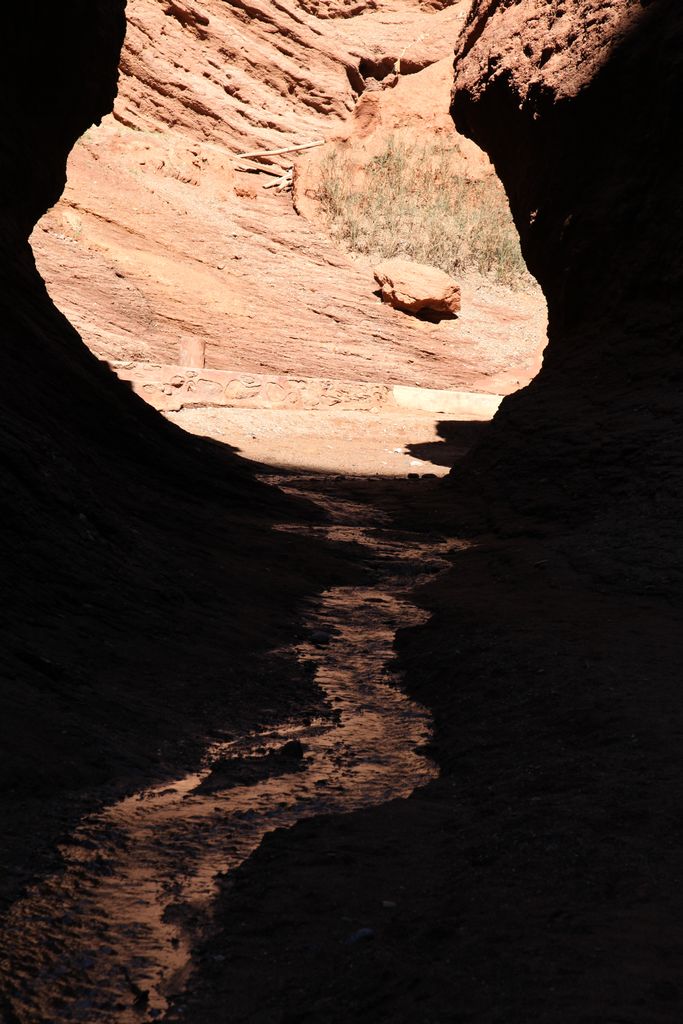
x=160, y=240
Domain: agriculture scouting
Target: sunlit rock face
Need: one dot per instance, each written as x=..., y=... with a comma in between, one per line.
x=576, y=103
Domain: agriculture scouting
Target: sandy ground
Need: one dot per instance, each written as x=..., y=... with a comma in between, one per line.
x=387, y=444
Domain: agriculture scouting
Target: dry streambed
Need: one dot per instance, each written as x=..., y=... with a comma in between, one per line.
x=109, y=939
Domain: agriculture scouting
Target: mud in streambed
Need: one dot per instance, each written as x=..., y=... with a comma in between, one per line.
x=109, y=938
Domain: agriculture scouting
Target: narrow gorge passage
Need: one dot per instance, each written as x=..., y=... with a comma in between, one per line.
x=110, y=938
x=148, y=597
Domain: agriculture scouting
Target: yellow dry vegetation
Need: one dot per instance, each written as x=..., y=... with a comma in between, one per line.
x=414, y=201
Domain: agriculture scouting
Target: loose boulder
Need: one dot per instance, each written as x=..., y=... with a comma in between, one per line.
x=415, y=287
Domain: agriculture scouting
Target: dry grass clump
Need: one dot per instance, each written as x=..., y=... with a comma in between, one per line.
x=415, y=202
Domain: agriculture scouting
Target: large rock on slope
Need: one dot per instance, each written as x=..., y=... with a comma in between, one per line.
x=575, y=104
x=415, y=286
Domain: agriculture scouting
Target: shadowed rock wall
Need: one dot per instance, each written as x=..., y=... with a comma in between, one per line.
x=120, y=536
x=58, y=76
x=576, y=103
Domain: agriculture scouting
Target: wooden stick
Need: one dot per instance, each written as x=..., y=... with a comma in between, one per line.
x=282, y=182
x=278, y=152
x=262, y=170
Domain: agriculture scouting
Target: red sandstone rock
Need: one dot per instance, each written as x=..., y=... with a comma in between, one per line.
x=415, y=286
x=414, y=110
x=158, y=236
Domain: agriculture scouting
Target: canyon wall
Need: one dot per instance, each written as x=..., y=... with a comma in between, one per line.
x=527, y=889
x=538, y=877
x=121, y=537
x=576, y=105
x=58, y=77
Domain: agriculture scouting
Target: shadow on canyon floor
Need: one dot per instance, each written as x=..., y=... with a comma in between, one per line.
x=520, y=883
x=556, y=783
x=145, y=589
x=457, y=438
